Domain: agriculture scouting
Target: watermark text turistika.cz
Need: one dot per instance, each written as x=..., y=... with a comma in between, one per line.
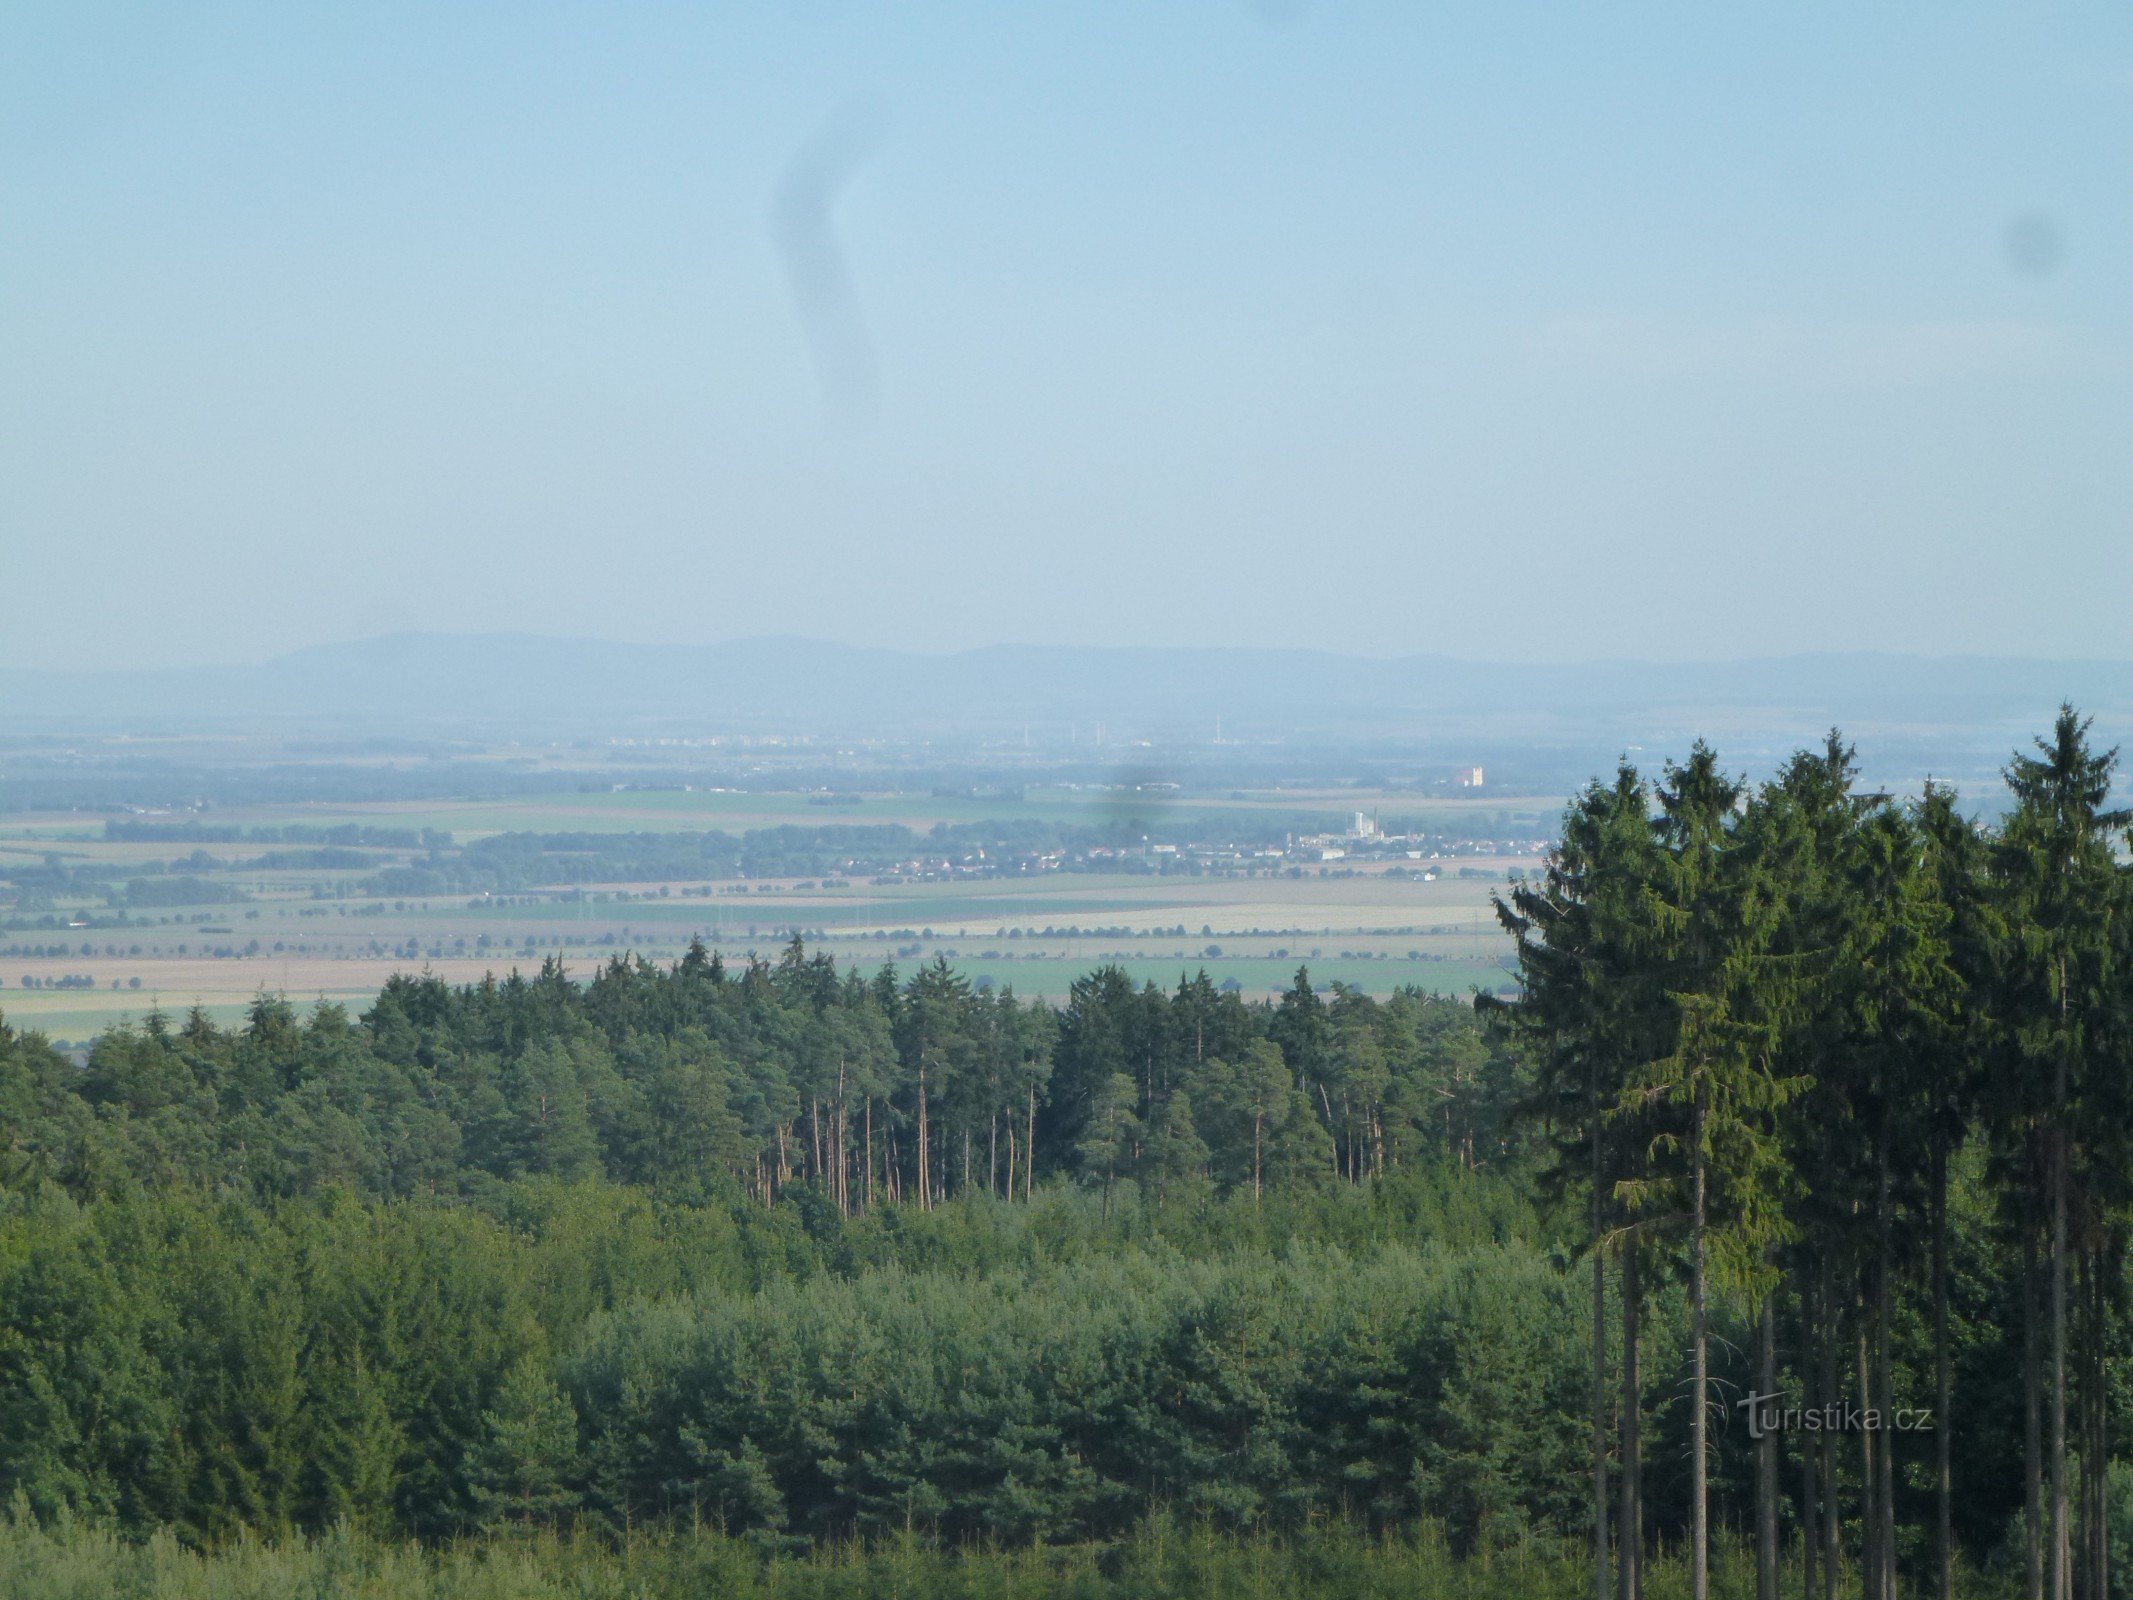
x=1766, y=1414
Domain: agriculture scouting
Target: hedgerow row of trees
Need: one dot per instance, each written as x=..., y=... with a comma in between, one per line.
x=1771, y=1028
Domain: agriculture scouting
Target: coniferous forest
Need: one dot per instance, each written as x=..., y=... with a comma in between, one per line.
x=1766, y=1234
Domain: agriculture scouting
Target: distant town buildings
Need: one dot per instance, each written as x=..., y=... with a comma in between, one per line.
x=1469, y=777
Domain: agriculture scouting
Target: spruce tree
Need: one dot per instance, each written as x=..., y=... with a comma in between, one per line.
x=2060, y=888
x=519, y=1471
x=1587, y=1021
x=1724, y=1176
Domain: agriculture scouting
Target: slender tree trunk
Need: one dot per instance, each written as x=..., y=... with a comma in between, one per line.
x=925, y=1169
x=870, y=1154
x=2032, y=1420
x=1870, y=1444
x=1766, y=1464
x=1885, y=1454
x=1029, y=1149
x=1869, y=1522
x=2055, y=1462
x=1629, y=1539
x=2106, y=1270
x=1599, y=1365
x=1700, y=1387
x=1885, y=1392
x=1826, y=1443
x=2083, y=1577
x=1943, y=1475
x=2095, y=1423
x=1810, y=1447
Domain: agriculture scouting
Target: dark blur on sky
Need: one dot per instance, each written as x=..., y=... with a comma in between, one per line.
x=1546, y=332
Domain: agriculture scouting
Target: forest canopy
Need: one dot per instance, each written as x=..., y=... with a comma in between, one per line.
x=1800, y=1093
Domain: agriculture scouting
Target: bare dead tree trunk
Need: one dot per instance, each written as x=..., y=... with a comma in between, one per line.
x=925, y=1169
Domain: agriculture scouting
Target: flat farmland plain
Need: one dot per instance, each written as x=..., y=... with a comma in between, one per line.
x=317, y=933
x=734, y=810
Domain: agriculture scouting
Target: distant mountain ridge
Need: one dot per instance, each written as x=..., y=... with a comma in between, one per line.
x=798, y=685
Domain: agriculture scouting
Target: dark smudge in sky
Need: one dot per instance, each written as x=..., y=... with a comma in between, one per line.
x=2033, y=245
x=815, y=264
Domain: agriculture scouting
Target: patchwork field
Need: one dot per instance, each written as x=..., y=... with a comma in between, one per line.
x=73, y=965
x=683, y=810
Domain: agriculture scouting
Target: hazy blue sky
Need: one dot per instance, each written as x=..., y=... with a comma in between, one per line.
x=1494, y=330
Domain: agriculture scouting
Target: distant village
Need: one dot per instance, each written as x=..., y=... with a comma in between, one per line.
x=1365, y=846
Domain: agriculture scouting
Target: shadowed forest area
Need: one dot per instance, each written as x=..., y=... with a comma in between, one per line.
x=780, y=1277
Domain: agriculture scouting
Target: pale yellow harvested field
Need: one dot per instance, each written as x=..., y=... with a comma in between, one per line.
x=298, y=932
x=1224, y=905
x=176, y=982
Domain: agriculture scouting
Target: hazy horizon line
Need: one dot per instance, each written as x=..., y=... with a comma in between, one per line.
x=949, y=653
